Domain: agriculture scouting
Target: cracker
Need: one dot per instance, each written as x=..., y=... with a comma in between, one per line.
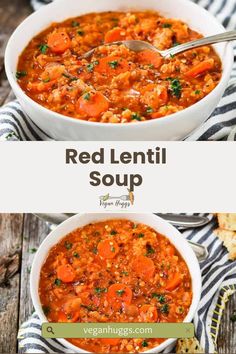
x=229, y=241
x=188, y=345
x=227, y=221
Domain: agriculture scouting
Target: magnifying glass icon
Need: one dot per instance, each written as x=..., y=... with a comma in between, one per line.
x=50, y=330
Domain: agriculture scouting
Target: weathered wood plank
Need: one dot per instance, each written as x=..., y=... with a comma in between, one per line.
x=35, y=230
x=11, y=226
x=12, y=13
x=227, y=334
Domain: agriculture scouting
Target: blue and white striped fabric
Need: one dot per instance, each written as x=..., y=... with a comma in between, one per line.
x=219, y=282
x=221, y=125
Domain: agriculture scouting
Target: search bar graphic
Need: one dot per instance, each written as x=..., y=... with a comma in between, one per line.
x=117, y=330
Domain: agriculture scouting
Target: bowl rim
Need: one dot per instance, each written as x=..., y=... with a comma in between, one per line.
x=57, y=234
x=226, y=71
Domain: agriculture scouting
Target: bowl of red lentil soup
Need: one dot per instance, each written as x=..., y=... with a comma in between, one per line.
x=117, y=94
x=114, y=268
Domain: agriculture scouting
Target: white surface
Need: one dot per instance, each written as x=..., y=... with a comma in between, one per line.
x=174, y=127
x=153, y=221
x=197, y=177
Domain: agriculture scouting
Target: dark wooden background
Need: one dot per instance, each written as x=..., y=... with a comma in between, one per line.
x=21, y=234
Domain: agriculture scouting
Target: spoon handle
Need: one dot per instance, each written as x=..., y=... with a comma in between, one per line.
x=221, y=37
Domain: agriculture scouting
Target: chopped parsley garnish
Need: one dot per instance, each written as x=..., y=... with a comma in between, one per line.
x=175, y=44
x=66, y=75
x=120, y=292
x=75, y=23
x=135, y=116
x=125, y=273
x=68, y=245
x=165, y=309
x=167, y=25
x=100, y=290
x=197, y=92
x=76, y=255
x=113, y=64
x=20, y=74
x=150, y=250
x=149, y=110
x=89, y=307
x=43, y=48
x=90, y=66
x=33, y=250
x=144, y=343
x=233, y=317
x=112, y=249
x=151, y=66
x=140, y=235
x=95, y=250
x=160, y=297
x=175, y=87
x=57, y=282
x=87, y=96
x=46, y=80
x=113, y=232
x=172, y=56
x=46, y=310
x=80, y=33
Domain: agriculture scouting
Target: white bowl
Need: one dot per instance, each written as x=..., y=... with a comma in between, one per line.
x=173, y=127
x=151, y=220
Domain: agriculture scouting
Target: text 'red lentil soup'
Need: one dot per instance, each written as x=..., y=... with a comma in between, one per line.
x=116, y=85
x=115, y=271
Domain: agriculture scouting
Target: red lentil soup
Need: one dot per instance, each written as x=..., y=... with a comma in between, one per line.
x=115, y=271
x=116, y=85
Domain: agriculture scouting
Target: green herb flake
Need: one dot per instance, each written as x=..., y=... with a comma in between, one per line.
x=112, y=249
x=160, y=298
x=140, y=235
x=95, y=250
x=33, y=250
x=125, y=273
x=20, y=74
x=100, y=290
x=113, y=232
x=68, y=245
x=46, y=310
x=167, y=25
x=150, y=250
x=175, y=44
x=80, y=33
x=135, y=116
x=151, y=66
x=43, y=48
x=75, y=23
x=172, y=56
x=197, y=92
x=46, y=80
x=113, y=64
x=57, y=282
x=165, y=309
x=120, y=292
x=89, y=307
x=76, y=255
x=144, y=343
x=149, y=110
x=175, y=87
x=87, y=96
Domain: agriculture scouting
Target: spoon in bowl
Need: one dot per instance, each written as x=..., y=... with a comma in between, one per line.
x=138, y=46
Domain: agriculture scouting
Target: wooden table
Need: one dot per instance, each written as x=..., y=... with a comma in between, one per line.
x=20, y=236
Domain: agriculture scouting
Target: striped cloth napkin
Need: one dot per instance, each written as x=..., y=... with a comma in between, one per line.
x=218, y=280
x=221, y=125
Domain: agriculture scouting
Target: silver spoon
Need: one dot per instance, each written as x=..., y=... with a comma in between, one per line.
x=180, y=220
x=138, y=46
